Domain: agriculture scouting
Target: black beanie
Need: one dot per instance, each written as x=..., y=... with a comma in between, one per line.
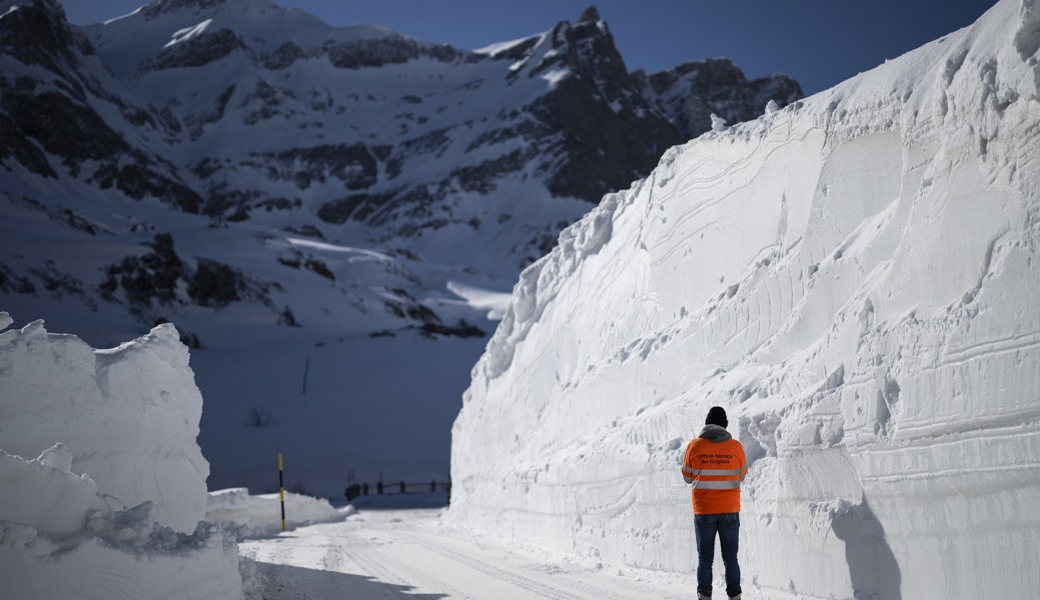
x=717, y=416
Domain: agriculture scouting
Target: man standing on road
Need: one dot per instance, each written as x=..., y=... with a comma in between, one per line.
x=715, y=465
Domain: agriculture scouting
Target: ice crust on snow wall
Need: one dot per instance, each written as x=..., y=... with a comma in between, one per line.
x=855, y=279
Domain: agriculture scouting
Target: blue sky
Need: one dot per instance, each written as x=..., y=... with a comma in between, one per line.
x=818, y=42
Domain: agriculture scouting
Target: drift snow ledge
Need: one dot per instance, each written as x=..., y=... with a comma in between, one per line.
x=855, y=279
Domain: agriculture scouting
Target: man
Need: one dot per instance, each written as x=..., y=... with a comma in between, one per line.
x=715, y=465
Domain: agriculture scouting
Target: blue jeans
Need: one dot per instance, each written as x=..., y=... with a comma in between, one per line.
x=727, y=526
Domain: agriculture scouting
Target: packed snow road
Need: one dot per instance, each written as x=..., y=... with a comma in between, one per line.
x=413, y=554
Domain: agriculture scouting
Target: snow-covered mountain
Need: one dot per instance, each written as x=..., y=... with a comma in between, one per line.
x=855, y=279
x=327, y=214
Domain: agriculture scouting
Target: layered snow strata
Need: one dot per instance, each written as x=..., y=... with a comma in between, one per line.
x=129, y=415
x=854, y=278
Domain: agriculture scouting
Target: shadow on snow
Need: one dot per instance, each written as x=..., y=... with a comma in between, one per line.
x=872, y=565
x=287, y=582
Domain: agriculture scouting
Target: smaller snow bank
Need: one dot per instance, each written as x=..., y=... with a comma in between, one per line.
x=129, y=415
x=257, y=516
x=111, y=506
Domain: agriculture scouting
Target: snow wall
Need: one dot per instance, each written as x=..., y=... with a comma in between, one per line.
x=130, y=415
x=111, y=507
x=855, y=279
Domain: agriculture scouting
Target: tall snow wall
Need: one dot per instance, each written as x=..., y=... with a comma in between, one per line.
x=855, y=279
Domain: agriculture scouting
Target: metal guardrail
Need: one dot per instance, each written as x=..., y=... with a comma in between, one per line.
x=354, y=490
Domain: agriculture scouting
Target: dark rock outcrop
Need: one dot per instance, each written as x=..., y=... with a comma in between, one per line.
x=59, y=117
x=691, y=92
x=610, y=134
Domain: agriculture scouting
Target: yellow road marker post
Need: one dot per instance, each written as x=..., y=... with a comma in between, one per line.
x=281, y=489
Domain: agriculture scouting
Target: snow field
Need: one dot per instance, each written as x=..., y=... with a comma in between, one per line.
x=854, y=279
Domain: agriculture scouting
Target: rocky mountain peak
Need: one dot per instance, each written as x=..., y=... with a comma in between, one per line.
x=691, y=92
x=38, y=33
x=591, y=14
x=580, y=47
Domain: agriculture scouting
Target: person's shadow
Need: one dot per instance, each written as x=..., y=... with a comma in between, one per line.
x=873, y=568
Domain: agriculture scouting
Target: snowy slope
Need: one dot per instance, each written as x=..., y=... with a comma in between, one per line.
x=854, y=278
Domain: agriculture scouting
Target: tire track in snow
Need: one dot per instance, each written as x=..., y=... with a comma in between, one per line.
x=526, y=583
x=381, y=572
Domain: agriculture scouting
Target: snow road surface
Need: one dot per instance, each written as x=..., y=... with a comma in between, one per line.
x=412, y=554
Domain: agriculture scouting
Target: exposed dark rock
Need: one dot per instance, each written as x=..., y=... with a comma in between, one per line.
x=62, y=127
x=69, y=128
x=591, y=15
x=59, y=284
x=433, y=143
x=610, y=135
x=279, y=203
x=394, y=49
x=215, y=284
x=37, y=33
x=20, y=149
x=149, y=277
x=352, y=164
x=214, y=114
x=287, y=318
x=297, y=259
x=267, y=102
x=307, y=230
x=482, y=177
x=410, y=309
x=65, y=216
x=283, y=57
x=13, y=283
x=138, y=182
x=339, y=211
x=154, y=279
x=463, y=329
x=691, y=92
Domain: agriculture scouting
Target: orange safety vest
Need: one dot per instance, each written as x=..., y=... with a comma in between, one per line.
x=715, y=469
